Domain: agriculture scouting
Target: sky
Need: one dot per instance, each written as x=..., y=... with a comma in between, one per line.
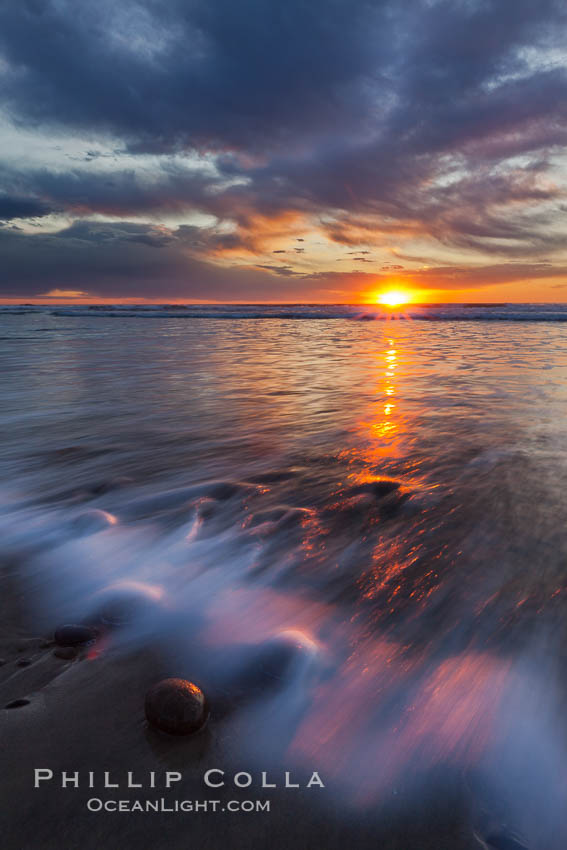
x=272, y=151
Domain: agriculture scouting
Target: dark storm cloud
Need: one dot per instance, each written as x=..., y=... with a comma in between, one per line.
x=359, y=108
x=255, y=75
x=105, y=262
x=118, y=267
x=174, y=73
x=284, y=271
x=21, y=207
x=168, y=189
x=111, y=232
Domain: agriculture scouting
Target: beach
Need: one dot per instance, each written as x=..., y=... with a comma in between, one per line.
x=346, y=525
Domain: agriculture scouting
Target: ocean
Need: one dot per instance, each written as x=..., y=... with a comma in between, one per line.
x=349, y=530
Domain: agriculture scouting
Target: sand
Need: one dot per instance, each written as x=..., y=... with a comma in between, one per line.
x=87, y=715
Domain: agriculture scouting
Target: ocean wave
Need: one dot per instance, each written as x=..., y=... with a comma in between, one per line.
x=452, y=313
x=292, y=312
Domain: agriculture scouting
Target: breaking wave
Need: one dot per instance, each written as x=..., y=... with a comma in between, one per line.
x=357, y=312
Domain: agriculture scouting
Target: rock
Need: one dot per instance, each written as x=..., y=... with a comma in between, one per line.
x=69, y=453
x=123, y=603
x=182, y=499
x=75, y=635
x=103, y=487
x=23, y=662
x=17, y=703
x=276, y=476
x=120, y=607
x=505, y=840
x=121, y=610
x=92, y=521
x=278, y=662
x=387, y=494
x=278, y=655
x=379, y=489
x=67, y=653
x=176, y=706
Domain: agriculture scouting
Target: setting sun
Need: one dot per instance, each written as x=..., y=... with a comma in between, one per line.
x=393, y=298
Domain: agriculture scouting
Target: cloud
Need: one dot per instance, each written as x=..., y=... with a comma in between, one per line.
x=450, y=278
x=117, y=267
x=284, y=271
x=22, y=207
x=124, y=268
x=164, y=75
x=99, y=233
x=122, y=192
x=434, y=126
x=64, y=293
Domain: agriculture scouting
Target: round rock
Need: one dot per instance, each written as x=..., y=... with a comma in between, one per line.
x=18, y=703
x=91, y=521
x=121, y=607
x=74, y=635
x=176, y=706
x=66, y=653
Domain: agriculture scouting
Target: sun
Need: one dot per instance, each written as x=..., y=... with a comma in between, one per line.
x=393, y=298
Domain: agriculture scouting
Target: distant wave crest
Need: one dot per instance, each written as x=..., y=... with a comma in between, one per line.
x=422, y=312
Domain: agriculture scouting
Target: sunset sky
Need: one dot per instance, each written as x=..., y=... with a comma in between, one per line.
x=309, y=150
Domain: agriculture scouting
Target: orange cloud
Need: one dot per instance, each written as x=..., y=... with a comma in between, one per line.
x=65, y=293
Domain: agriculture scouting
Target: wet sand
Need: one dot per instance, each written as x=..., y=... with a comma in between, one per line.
x=87, y=715
x=349, y=535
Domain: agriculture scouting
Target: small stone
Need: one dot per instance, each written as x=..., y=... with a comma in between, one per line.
x=67, y=653
x=121, y=610
x=176, y=706
x=69, y=452
x=379, y=489
x=121, y=607
x=17, y=703
x=505, y=840
x=103, y=487
x=277, y=662
x=74, y=635
x=94, y=520
x=23, y=662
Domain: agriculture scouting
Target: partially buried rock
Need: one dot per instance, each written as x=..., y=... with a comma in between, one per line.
x=505, y=840
x=103, y=487
x=66, y=653
x=94, y=520
x=176, y=706
x=379, y=489
x=121, y=606
x=122, y=609
x=74, y=635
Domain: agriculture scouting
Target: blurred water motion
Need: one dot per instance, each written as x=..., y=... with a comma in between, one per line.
x=392, y=491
